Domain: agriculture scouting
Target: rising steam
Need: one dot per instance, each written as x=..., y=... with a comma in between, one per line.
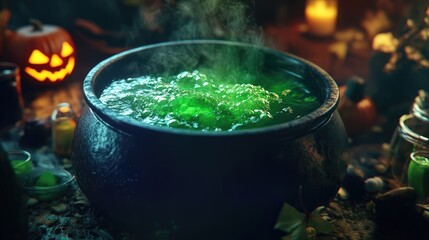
x=228, y=20
x=216, y=19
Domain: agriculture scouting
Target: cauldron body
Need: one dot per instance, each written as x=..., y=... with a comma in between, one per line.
x=191, y=184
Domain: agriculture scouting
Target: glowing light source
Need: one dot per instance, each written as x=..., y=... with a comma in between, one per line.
x=38, y=58
x=52, y=76
x=46, y=53
x=321, y=16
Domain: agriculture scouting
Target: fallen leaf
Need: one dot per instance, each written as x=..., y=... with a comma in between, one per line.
x=289, y=219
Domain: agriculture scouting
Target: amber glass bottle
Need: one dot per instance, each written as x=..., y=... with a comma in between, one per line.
x=63, y=125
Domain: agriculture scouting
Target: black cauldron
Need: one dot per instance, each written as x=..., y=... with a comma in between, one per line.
x=186, y=184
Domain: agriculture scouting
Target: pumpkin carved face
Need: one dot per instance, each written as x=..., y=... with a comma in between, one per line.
x=55, y=68
x=45, y=53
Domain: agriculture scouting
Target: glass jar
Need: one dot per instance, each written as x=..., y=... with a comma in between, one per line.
x=21, y=163
x=63, y=125
x=412, y=134
x=11, y=102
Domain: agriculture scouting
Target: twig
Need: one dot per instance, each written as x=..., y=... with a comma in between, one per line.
x=406, y=38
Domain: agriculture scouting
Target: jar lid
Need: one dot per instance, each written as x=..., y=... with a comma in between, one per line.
x=63, y=109
x=414, y=130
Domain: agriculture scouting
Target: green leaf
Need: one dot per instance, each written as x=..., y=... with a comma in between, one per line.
x=297, y=234
x=321, y=225
x=289, y=219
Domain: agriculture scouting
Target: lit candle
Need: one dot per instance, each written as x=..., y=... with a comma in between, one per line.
x=321, y=17
x=418, y=173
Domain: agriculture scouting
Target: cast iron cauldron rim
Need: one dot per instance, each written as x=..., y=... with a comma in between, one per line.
x=294, y=128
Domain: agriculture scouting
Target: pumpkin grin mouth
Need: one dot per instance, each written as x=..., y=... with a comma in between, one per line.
x=59, y=75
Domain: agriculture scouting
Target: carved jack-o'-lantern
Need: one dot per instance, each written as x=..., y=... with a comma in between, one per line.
x=46, y=54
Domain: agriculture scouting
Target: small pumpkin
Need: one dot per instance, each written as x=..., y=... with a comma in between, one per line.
x=45, y=53
x=357, y=111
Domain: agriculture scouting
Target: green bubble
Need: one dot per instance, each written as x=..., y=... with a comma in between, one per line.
x=202, y=100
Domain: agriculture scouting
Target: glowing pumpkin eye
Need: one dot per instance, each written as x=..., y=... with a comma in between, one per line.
x=56, y=61
x=37, y=57
x=66, y=49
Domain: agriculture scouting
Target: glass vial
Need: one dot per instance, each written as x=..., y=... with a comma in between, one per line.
x=11, y=102
x=63, y=125
x=418, y=173
x=412, y=134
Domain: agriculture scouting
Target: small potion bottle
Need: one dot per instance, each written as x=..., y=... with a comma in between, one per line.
x=63, y=125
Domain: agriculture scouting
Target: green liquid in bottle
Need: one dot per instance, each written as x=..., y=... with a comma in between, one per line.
x=418, y=176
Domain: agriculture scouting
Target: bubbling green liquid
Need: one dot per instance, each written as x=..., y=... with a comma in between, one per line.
x=202, y=101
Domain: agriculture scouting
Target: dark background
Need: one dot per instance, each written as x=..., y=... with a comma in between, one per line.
x=122, y=19
x=113, y=14
x=120, y=14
